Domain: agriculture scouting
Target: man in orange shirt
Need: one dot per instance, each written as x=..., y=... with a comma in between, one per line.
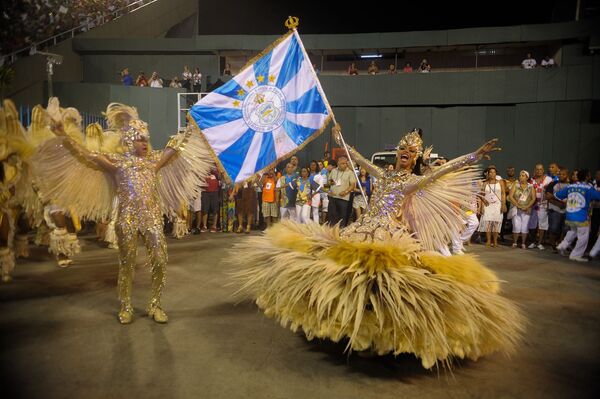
x=269, y=203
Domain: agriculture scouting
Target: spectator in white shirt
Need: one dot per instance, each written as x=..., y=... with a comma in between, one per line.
x=156, y=81
x=186, y=76
x=539, y=216
x=425, y=66
x=196, y=81
x=529, y=62
x=548, y=62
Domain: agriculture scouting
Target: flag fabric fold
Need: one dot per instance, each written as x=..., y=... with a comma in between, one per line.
x=271, y=109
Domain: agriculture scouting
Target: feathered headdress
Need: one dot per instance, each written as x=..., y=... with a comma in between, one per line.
x=124, y=119
x=412, y=139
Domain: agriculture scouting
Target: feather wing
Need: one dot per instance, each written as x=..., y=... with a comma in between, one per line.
x=70, y=181
x=180, y=181
x=434, y=211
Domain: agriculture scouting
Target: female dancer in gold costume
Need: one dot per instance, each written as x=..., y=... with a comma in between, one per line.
x=147, y=183
x=378, y=282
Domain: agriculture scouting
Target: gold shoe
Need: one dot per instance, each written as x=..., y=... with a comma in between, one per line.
x=64, y=262
x=156, y=313
x=126, y=314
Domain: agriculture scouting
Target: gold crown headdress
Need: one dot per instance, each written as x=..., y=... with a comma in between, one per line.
x=412, y=139
x=124, y=120
x=135, y=130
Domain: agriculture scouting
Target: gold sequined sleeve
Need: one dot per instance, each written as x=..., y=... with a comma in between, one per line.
x=370, y=167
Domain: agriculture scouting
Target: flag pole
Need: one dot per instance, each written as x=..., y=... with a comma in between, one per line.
x=292, y=23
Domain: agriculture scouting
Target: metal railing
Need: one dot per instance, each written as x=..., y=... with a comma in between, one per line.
x=185, y=101
x=95, y=22
x=86, y=118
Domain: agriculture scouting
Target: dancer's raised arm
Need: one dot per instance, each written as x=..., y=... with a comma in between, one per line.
x=453, y=165
x=373, y=169
x=97, y=159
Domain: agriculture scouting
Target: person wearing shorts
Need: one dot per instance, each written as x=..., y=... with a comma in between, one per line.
x=539, y=215
x=270, y=210
x=522, y=198
x=287, y=193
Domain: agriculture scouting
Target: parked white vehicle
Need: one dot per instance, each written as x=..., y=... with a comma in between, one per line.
x=384, y=158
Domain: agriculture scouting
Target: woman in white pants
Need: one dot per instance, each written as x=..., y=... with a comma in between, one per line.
x=303, y=197
x=522, y=197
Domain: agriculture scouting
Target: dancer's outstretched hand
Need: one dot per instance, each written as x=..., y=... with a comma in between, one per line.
x=488, y=147
x=57, y=128
x=336, y=133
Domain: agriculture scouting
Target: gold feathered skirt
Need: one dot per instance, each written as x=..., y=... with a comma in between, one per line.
x=386, y=296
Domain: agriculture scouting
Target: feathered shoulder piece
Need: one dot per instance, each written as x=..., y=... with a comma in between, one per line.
x=119, y=115
x=69, y=117
x=434, y=210
x=12, y=133
x=180, y=181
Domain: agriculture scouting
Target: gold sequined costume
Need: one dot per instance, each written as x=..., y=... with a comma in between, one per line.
x=14, y=149
x=52, y=221
x=377, y=284
x=148, y=185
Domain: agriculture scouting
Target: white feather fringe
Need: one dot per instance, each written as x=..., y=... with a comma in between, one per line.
x=63, y=243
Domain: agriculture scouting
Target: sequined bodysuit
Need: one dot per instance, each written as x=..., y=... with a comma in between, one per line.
x=139, y=213
x=385, y=217
x=139, y=201
x=381, y=221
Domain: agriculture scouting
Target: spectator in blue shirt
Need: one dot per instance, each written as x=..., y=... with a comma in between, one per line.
x=126, y=78
x=579, y=197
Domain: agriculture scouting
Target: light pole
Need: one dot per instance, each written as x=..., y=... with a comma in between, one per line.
x=51, y=60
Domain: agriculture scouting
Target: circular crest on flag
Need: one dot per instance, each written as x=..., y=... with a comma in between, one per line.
x=264, y=108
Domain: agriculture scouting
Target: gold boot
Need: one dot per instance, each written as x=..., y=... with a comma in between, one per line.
x=126, y=313
x=156, y=313
x=7, y=264
x=21, y=246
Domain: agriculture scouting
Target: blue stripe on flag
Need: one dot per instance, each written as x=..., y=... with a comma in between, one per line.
x=261, y=67
x=233, y=157
x=311, y=102
x=297, y=133
x=207, y=117
x=267, y=154
x=230, y=89
x=291, y=63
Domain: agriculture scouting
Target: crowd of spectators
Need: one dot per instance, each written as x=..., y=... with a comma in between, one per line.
x=425, y=67
x=530, y=63
x=192, y=81
x=27, y=22
x=558, y=210
x=373, y=69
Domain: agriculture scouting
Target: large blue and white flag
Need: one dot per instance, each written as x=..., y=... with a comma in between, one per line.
x=267, y=112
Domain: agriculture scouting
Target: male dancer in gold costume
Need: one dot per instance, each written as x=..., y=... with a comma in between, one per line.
x=147, y=183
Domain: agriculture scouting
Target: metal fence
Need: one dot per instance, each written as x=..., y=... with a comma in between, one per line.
x=87, y=118
x=184, y=104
